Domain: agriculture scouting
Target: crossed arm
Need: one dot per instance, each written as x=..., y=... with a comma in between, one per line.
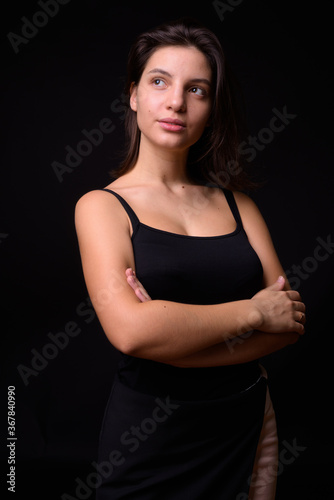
x=246, y=347
x=182, y=334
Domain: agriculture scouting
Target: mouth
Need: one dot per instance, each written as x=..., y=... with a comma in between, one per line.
x=172, y=124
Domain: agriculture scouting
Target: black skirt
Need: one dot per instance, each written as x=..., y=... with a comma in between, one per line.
x=159, y=448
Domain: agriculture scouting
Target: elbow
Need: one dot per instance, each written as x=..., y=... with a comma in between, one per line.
x=124, y=338
x=136, y=345
x=121, y=341
x=126, y=345
x=129, y=332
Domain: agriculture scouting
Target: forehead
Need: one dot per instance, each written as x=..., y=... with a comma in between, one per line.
x=187, y=61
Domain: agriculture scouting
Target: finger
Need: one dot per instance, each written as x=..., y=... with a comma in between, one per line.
x=138, y=288
x=278, y=285
x=141, y=290
x=301, y=329
x=300, y=317
x=294, y=295
x=129, y=272
x=141, y=295
x=299, y=306
x=132, y=282
x=298, y=326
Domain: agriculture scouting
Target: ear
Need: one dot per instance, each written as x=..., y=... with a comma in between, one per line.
x=133, y=96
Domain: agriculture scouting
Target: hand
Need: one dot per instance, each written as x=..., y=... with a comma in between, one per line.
x=280, y=311
x=137, y=287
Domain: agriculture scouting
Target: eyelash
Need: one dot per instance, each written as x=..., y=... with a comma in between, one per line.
x=158, y=80
x=201, y=89
x=204, y=92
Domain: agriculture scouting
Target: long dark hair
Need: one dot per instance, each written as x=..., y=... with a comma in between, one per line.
x=215, y=158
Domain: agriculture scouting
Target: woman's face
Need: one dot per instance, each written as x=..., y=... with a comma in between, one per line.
x=173, y=98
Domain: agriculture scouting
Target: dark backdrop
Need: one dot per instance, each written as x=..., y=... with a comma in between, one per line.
x=62, y=79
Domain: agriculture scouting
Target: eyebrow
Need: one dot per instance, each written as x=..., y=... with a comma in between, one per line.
x=194, y=80
x=159, y=70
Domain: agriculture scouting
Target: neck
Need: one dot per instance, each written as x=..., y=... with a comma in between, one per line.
x=158, y=165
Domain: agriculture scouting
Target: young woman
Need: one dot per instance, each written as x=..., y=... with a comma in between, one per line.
x=187, y=286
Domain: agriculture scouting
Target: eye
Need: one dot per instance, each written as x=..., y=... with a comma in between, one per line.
x=198, y=91
x=158, y=82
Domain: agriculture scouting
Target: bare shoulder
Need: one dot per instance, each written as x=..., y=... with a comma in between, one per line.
x=99, y=208
x=244, y=201
x=96, y=200
x=251, y=216
x=247, y=207
x=93, y=199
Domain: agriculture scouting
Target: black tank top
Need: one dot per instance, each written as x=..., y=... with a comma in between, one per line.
x=192, y=270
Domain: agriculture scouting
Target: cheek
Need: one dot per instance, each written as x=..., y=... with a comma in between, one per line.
x=148, y=108
x=201, y=117
x=144, y=115
x=146, y=104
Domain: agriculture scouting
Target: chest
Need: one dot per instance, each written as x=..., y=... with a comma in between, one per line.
x=196, y=270
x=200, y=213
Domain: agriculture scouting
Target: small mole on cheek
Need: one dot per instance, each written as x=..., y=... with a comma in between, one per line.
x=182, y=187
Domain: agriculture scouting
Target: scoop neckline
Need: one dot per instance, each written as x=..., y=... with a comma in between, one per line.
x=189, y=236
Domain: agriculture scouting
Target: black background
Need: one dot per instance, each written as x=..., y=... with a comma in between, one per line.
x=68, y=77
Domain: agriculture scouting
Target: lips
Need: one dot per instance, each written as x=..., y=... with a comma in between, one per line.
x=172, y=124
x=173, y=121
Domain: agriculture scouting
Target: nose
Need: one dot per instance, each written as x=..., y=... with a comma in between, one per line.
x=176, y=99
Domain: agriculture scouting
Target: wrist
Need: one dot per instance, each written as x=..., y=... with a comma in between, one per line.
x=255, y=316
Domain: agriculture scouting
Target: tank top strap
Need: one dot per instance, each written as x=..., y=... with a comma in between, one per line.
x=132, y=216
x=233, y=205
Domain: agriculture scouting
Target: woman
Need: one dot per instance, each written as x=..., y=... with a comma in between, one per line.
x=187, y=286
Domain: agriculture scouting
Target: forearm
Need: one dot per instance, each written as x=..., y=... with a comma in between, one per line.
x=242, y=349
x=169, y=332
x=166, y=331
